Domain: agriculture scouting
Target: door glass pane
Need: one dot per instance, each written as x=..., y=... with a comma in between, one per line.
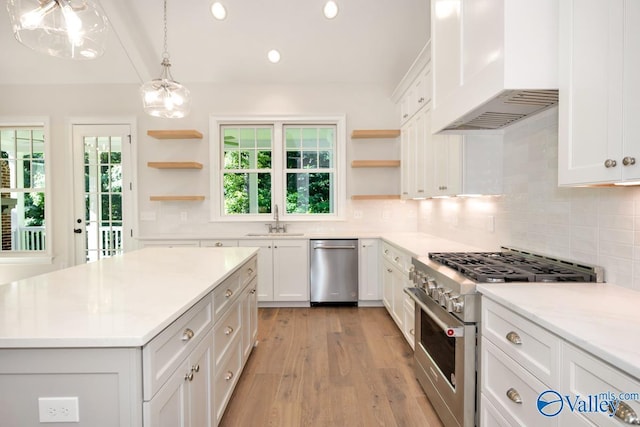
x=103, y=196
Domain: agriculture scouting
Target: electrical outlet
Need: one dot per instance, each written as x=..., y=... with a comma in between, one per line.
x=58, y=409
x=357, y=214
x=184, y=216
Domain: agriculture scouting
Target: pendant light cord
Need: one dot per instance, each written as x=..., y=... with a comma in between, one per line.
x=165, y=54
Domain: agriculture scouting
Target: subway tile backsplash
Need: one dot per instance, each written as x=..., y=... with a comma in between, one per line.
x=593, y=225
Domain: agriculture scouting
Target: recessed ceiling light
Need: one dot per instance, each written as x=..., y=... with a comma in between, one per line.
x=330, y=9
x=218, y=11
x=274, y=56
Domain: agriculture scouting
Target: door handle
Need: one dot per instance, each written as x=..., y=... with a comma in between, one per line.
x=334, y=247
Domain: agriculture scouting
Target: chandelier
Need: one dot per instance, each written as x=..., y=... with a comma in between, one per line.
x=164, y=97
x=74, y=29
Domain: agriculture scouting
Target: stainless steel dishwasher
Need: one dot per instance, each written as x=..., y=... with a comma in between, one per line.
x=333, y=271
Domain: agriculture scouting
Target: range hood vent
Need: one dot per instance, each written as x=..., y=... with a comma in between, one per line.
x=505, y=109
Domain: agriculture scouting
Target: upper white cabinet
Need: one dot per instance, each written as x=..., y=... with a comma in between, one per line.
x=493, y=61
x=599, y=91
x=417, y=95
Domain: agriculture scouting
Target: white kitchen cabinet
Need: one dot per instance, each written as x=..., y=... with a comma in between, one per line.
x=446, y=164
x=284, y=269
x=186, y=398
x=396, y=265
x=249, y=318
x=170, y=243
x=369, y=286
x=480, y=49
x=585, y=375
x=599, y=92
x=417, y=95
x=416, y=175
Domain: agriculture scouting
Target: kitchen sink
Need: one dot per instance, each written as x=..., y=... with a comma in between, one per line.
x=274, y=234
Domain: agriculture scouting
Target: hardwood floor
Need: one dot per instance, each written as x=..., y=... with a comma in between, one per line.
x=329, y=366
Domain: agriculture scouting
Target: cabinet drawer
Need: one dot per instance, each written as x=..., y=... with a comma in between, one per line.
x=225, y=293
x=225, y=331
x=585, y=376
x=226, y=377
x=503, y=377
x=489, y=415
x=530, y=345
x=248, y=271
x=168, y=349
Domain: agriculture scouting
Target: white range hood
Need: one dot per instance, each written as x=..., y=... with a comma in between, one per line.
x=495, y=62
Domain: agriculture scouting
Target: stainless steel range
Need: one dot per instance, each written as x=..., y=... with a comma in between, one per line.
x=448, y=312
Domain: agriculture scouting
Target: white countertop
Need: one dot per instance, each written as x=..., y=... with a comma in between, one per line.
x=122, y=301
x=603, y=319
x=420, y=244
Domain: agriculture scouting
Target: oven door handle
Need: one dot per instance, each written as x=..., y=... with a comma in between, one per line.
x=450, y=331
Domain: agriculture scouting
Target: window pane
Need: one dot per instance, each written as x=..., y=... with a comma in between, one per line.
x=263, y=136
x=247, y=193
x=230, y=138
x=325, y=159
x=309, y=138
x=326, y=137
x=247, y=138
x=264, y=159
x=294, y=159
x=292, y=137
x=310, y=159
x=310, y=193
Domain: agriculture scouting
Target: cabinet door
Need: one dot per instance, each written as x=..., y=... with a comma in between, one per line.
x=421, y=171
x=447, y=167
x=446, y=48
x=291, y=270
x=200, y=391
x=387, y=285
x=407, y=160
x=249, y=318
x=369, y=266
x=591, y=79
x=265, y=267
x=398, y=284
x=170, y=406
x=631, y=106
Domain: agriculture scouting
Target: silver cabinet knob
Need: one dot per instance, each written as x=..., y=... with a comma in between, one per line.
x=228, y=293
x=610, y=163
x=629, y=161
x=514, y=396
x=514, y=338
x=218, y=244
x=421, y=100
x=189, y=376
x=195, y=368
x=228, y=375
x=228, y=330
x=187, y=334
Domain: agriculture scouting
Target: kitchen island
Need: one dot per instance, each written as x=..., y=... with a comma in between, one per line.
x=159, y=333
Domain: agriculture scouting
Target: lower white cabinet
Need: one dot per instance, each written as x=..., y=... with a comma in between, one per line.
x=284, y=269
x=523, y=363
x=396, y=265
x=368, y=270
x=186, y=398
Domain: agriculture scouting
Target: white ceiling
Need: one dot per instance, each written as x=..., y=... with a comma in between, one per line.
x=372, y=41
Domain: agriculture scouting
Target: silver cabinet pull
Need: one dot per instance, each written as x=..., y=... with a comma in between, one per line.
x=228, y=293
x=228, y=330
x=218, y=244
x=514, y=396
x=625, y=413
x=195, y=368
x=250, y=271
x=228, y=375
x=187, y=334
x=610, y=163
x=189, y=376
x=389, y=270
x=629, y=161
x=253, y=291
x=514, y=338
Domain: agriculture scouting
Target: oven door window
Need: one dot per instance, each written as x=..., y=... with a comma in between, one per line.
x=440, y=347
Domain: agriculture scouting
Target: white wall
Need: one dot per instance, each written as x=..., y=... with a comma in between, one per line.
x=598, y=226
x=365, y=106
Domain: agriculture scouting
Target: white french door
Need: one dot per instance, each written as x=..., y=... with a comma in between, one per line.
x=102, y=191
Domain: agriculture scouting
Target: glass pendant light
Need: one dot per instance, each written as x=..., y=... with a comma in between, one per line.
x=74, y=29
x=164, y=97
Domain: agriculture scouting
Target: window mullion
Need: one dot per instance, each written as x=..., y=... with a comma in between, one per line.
x=278, y=177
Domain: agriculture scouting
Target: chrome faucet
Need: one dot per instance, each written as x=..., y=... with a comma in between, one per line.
x=277, y=228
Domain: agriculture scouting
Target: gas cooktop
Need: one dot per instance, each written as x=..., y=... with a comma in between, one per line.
x=513, y=265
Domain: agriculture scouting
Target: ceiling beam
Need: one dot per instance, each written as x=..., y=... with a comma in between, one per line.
x=136, y=45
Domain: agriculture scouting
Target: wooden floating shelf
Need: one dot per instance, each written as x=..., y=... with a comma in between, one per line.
x=175, y=134
x=175, y=165
x=376, y=197
x=176, y=198
x=375, y=163
x=375, y=133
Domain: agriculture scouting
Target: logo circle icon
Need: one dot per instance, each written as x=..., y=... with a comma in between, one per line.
x=550, y=403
